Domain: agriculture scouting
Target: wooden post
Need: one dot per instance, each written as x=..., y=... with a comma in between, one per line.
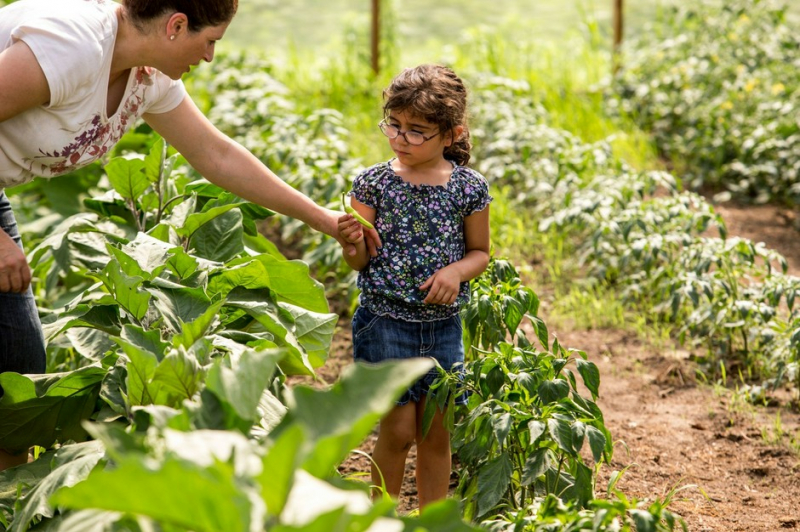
x=618, y=31
x=376, y=35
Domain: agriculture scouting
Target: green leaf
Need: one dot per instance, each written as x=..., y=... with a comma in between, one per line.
x=153, y=160
x=43, y=409
x=196, y=220
x=561, y=432
x=645, y=521
x=82, y=462
x=169, y=381
x=591, y=376
x=127, y=177
x=208, y=500
x=551, y=391
x=578, y=435
x=440, y=516
x=180, y=305
x=220, y=239
x=280, y=464
x=502, y=425
x=337, y=420
x=197, y=329
x=290, y=280
x=584, y=485
x=125, y=289
x=494, y=478
x=240, y=383
x=597, y=442
x=536, y=428
x=535, y=465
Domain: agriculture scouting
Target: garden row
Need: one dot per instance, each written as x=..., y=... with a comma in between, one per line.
x=173, y=324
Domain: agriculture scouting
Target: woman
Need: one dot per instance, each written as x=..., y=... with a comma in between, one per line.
x=74, y=76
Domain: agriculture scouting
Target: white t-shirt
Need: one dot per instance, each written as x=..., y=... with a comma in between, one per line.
x=73, y=40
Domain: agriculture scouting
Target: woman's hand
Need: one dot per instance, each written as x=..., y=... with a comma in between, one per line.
x=15, y=274
x=442, y=286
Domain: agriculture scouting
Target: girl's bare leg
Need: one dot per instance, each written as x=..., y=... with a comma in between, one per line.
x=395, y=438
x=433, y=458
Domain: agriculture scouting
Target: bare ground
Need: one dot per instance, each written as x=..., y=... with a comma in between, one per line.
x=671, y=432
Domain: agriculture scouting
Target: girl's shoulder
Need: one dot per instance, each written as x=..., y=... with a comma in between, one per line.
x=375, y=174
x=465, y=177
x=370, y=184
x=471, y=188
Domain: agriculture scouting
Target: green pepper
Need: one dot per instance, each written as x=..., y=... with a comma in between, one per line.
x=360, y=219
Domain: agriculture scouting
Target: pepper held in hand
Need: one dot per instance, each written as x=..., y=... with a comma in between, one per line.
x=360, y=219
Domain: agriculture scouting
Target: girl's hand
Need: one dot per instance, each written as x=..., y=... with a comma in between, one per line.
x=442, y=286
x=330, y=226
x=15, y=274
x=350, y=230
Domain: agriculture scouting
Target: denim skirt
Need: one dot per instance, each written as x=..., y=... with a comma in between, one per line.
x=21, y=339
x=379, y=338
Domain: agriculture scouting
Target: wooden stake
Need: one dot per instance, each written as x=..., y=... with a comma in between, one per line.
x=376, y=35
x=618, y=30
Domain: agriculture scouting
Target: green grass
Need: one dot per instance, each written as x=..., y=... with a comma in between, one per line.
x=422, y=25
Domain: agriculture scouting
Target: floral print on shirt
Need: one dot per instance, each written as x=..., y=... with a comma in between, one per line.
x=96, y=136
x=422, y=230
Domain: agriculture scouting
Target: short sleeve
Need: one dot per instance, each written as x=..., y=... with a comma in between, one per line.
x=165, y=94
x=63, y=49
x=475, y=192
x=367, y=186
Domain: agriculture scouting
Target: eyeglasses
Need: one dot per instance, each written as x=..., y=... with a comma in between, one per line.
x=414, y=138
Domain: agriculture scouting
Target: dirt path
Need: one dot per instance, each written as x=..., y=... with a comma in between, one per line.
x=679, y=433
x=676, y=432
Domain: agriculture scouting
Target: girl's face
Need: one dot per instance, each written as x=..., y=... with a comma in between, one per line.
x=433, y=141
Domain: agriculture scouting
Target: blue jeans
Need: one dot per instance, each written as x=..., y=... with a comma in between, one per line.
x=378, y=338
x=21, y=338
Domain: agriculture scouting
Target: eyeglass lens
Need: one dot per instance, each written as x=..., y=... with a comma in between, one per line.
x=412, y=137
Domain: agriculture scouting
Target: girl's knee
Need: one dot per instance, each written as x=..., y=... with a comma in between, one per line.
x=398, y=436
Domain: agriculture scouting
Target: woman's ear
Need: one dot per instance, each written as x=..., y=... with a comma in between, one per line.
x=176, y=23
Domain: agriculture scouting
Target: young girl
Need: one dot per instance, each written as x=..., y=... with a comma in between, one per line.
x=432, y=215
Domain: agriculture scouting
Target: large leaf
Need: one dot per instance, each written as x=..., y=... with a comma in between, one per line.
x=82, y=460
x=167, y=381
x=220, y=239
x=241, y=382
x=179, y=493
x=289, y=279
x=180, y=305
x=125, y=289
x=196, y=220
x=591, y=376
x=261, y=305
x=279, y=466
x=314, y=331
x=127, y=177
x=493, y=481
x=43, y=409
x=337, y=420
x=440, y=516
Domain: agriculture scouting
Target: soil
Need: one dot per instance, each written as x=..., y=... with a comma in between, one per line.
x=672, y=431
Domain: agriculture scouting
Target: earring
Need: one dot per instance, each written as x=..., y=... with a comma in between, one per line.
x=172, y=37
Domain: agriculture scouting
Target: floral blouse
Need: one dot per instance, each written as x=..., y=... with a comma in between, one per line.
x=422, y=230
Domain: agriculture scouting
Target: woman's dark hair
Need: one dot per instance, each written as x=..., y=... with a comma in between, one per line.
x=437, y=95
x=201, y=13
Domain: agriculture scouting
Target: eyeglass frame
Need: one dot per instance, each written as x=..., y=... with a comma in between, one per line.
x=403, y=134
